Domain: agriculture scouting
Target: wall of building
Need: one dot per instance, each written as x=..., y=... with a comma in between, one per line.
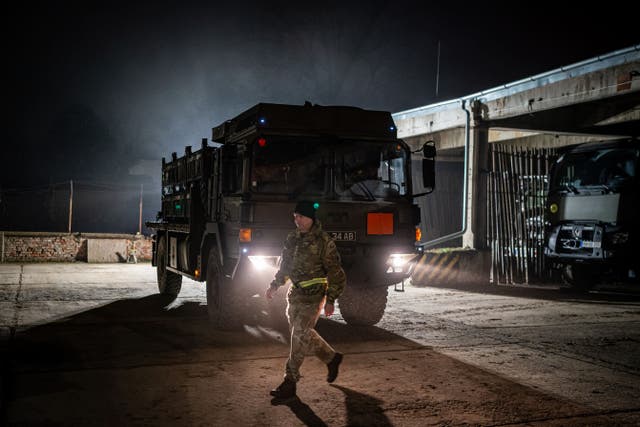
x=64, y=247
x=451, y=267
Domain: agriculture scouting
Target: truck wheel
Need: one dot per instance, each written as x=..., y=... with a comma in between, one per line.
x=363, y=306
x=582, y=277
x=221, y=301
x=169, y=283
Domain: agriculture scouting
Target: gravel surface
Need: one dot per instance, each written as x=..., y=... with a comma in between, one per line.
x=87, y=344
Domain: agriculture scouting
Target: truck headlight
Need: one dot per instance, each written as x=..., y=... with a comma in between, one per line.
x=263, y=262
x=399, y=263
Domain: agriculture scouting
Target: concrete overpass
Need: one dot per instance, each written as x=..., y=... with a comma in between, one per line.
x=598, y=98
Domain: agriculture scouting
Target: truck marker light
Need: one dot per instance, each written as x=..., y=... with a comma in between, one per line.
x=418, y=234
x=262, y=142
x=197, y=273
x=553, y=208
x=245, y=235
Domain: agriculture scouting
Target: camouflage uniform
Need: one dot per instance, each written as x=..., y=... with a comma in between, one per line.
x=307, y=256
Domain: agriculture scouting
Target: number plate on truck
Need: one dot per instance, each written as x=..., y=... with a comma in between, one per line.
x=342, y=235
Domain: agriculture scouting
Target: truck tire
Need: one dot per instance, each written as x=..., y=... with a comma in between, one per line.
x=169, y=283
x=222, y=303
x=582, y=277
x=363, y=306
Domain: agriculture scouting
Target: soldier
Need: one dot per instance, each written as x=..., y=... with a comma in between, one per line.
x=311, y=260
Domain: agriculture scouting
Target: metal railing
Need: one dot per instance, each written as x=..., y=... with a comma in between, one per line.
x=517, y=192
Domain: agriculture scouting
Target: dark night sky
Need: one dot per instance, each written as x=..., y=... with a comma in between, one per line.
x=95, y=89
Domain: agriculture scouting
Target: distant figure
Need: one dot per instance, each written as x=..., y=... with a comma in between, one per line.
x=131, y=257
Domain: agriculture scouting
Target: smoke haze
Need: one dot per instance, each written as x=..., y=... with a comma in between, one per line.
x=99, y=93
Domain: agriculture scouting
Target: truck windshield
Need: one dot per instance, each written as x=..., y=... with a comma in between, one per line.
x=344, y=169
x=608, y=168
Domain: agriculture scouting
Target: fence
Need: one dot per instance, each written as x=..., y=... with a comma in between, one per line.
x=517, y=191
x=79, y=206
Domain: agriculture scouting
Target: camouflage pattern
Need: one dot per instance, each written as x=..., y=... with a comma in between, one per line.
x=303, y=312
x=310, y=255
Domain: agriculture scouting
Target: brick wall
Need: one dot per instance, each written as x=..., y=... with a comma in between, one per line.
x=62, y=247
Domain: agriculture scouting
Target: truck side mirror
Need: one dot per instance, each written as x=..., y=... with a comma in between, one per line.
x=429, y=165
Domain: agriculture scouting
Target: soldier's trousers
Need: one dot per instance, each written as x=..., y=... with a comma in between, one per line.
x=303, y=312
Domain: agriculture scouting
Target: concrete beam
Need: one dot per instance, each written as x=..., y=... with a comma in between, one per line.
x=447, y=139
x=445, y=117
x=538, y=140
x=614, y=81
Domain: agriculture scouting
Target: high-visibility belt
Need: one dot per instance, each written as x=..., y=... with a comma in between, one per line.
x=311, y=282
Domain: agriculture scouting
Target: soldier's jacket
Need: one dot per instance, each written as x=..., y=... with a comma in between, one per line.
x=312, y=255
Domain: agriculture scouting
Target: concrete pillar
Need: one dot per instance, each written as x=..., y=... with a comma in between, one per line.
x=475, y=236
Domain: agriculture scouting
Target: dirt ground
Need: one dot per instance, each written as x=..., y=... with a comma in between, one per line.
x=94, y=345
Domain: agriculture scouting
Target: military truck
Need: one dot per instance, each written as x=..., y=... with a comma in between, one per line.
x=227, y=207
x=592, y=229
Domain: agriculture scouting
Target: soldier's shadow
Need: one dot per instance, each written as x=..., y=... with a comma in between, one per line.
x=300, y=410
x=362, y=409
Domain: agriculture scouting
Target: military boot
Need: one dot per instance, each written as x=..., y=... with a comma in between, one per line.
x=285, y=390
x=333, y=367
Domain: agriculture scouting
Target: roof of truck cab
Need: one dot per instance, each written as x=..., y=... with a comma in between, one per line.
x=308, y=119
